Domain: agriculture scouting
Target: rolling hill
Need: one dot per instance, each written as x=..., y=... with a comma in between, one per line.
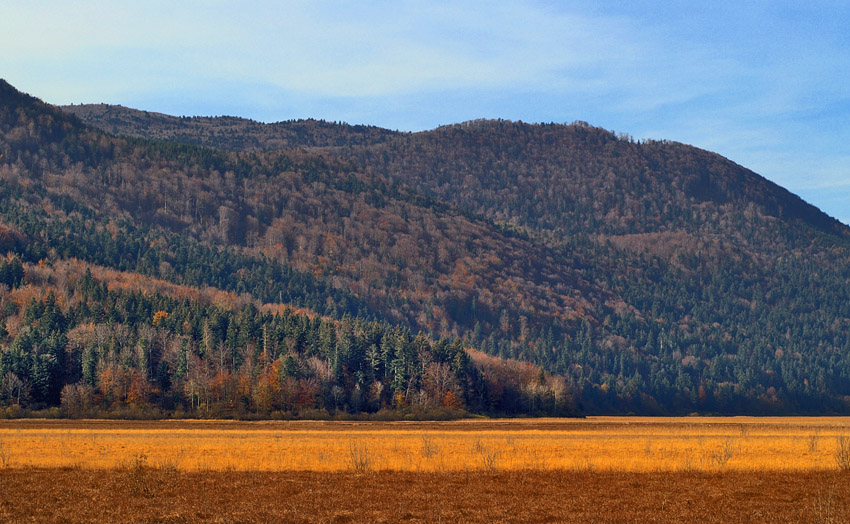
x=646, y=277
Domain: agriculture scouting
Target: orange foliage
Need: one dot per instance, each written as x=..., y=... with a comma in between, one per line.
x=267, y=393
x=159, y=317
x=222, y=387
x=450, y=401
x=139, y=390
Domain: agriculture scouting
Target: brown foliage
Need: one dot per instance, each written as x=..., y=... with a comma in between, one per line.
x=297, y=208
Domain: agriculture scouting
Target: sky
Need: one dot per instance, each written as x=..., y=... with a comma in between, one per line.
x=764, y=83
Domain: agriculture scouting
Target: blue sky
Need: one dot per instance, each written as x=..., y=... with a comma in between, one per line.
x=766, y=84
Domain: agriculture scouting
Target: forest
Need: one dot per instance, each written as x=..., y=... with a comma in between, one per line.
x=124, y=345
x=488, y=267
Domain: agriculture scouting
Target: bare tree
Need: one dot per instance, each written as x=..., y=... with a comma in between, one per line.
x=14, y=389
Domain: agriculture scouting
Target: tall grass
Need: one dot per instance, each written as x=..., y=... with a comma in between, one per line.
x=842, y=452
x=359, y=458
x=646, y=446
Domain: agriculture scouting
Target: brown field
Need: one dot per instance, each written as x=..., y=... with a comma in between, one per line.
x=536, y=470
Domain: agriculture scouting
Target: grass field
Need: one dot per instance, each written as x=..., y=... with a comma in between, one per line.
x=596, y=444
x=537, y=470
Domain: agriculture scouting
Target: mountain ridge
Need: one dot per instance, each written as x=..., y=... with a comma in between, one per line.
x=784, y=200
x=242, y=134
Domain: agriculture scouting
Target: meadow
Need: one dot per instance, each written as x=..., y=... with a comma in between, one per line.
x=595, y=444
x=605, y=469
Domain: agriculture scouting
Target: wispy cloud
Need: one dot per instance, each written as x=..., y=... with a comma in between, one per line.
x=763, y=83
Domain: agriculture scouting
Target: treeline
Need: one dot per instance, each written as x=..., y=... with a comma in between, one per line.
x=93, y=350
x=225, y=132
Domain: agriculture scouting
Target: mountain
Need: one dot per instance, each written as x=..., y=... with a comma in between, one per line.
x=645, y=277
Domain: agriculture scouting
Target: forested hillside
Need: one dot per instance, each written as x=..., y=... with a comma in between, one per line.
x=647, y=277
x=202, y=220
x=572, y=179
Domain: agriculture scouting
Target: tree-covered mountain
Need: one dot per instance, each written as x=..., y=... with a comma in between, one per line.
x=573, y=179
x=205, y=221
x=649, y=277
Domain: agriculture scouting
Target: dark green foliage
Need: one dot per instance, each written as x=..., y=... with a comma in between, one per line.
x=11, y=272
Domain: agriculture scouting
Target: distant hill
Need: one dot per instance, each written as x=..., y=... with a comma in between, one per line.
x=645, y=277
x=227, y=132
x=578, y=178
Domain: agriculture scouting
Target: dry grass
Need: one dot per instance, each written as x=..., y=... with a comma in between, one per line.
x=599, y=444
x=597, y=470
x=842, y=452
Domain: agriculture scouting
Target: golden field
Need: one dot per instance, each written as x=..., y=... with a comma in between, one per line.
x=609, y=470
x=603, y=444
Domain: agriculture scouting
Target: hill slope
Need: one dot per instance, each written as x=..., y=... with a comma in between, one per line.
x=576, y=178
x=654, y=277
x=74, y=197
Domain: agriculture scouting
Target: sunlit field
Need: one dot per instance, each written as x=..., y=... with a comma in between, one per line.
x=713, y=470
x=605, y=444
